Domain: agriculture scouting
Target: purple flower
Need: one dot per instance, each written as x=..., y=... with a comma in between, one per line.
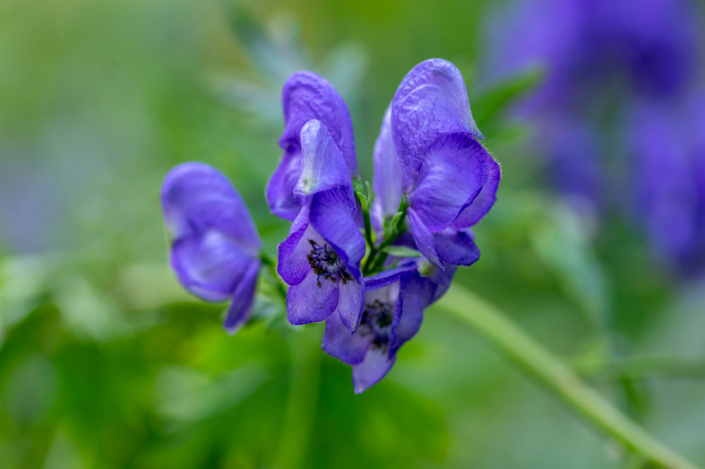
x=393, y=312
x=427, y=155
x=307, y=96
x=215, y=245
x=320, y=259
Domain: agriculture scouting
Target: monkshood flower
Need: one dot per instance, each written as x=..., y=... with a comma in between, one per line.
x=215, y=246
x=427, y=158
x=307, y=96
x=320, y=260
x=394, y=304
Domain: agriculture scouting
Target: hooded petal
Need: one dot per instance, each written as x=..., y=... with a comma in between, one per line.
x=323, y=166
x=309, y=96
x=241, y=306
x=387, y=177
x=339, y=342
x=215, y=239
x=454, y=171
x=372, y=369
x=456, y=247
x=308, y=302
x=197, y=197
x=431, y=100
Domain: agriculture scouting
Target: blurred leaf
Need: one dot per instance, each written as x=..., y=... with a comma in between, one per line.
x=486, y=108
x=402, y=251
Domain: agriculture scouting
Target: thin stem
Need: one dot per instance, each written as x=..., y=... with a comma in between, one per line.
x=532, y=358
x=646, y=366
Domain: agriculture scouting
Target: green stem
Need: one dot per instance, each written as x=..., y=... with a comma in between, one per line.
x=531, y=357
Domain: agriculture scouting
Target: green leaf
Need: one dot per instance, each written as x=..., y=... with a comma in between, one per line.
x=401, y=251
x=487, y=106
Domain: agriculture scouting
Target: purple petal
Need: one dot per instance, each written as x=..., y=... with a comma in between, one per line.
x=331, y=215
x=387, y=177
x=323, y=166
x=454, y=171
x=423, y=239
x=307, y=302
x=388, y=277
x=293, y=265
x=280, y=188
x=431, y=100
x=456, y=247
x=308, y=96
x=210, y=266
x=241, y=306
x=415, y=295
x=344, y=345
x=375, y=366
x=484, y=200
x=350, y=304
x=215, y=239
x=197, y=197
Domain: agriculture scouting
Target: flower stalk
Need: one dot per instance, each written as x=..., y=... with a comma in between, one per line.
x=535, y=360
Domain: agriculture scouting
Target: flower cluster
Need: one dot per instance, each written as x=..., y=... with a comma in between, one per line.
x=367, y=264
x=619, y=93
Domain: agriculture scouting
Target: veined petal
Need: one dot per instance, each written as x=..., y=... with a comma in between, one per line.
x=372, y=369
x=309, y=96
x=423, y=238
x=280, y=188
x=431, y=100
x=455, y=169
x=387, y=177
x=342, y=344
x=308, y=302
x=484, y=201
x=456, y=247
x=241, y=306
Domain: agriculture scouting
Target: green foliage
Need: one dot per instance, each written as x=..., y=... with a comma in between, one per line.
x=106, y=362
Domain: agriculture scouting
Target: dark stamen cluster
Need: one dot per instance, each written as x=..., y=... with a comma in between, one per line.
x=377, y=318
x=326, y=263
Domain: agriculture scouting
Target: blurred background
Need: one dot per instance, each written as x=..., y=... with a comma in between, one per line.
x=596, y=246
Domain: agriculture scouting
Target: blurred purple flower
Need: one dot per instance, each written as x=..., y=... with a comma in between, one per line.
x=393, y=312
x=669, y=151
x=215, y=245
x=427, y=154
x=307, y=96
x=320, y=259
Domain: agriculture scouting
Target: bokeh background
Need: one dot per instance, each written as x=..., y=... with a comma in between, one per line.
x=595, y=246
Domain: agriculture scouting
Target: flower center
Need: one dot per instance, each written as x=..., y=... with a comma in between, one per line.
x=326, y=263
x=377, y=317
